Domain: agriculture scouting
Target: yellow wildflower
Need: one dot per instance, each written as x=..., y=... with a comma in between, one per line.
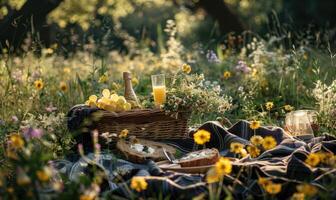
x=4, y=11
x=256, y=140
x=88, y=196
x=11, y=154
x=116, y=86
x=326, y=157
x=223, y=166
x=138, y=183
x=201, y=137
x=307, y=189
x=269, y=105
x=22, y=179
x=243, y=152
x=212, y=176
x=253, y=151
x=57, y=186
x=66, y=70
x=62, y=23
x=236, y=147
x=123, y=133
x=288, y=108
x=103, y=78
x=49, y=51
x=38, y=84
x=263, y=181
x=63, y=86
x=186, y=68
x=16, y=141
x=10, y=190
x=135, y=81
x=227, y=74
x=273, y=188
x=269, y=142
x=323, y=155
x=298, y=196
x=44, y=174
x=255, y=125
x=313, y=159
x=254, y=72
x=102, y=10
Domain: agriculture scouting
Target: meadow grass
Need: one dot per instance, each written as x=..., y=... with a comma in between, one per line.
x=38, y=88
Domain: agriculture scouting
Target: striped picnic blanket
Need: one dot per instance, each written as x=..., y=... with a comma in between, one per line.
x=283, y=164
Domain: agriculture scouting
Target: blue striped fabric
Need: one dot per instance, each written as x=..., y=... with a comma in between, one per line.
x=283, y=164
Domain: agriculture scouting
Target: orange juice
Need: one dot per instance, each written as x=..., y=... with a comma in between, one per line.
x=159, y=93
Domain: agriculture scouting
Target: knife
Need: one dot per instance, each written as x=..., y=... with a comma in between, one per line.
x=169, y=156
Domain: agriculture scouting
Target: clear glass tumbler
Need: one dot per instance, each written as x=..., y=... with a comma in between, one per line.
x=159, y=89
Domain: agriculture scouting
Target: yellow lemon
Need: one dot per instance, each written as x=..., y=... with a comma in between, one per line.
x=106, y=93
x=101, y=104
x=114, y=97
x=93, y=98
x=105, y=100
x=110, y=107
x=127, y=106
x=120, y=107
x=121, y=100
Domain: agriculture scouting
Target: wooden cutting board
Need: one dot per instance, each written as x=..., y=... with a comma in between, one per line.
x=134, y=156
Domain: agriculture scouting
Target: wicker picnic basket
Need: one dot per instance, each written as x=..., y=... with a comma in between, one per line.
x=152, y=124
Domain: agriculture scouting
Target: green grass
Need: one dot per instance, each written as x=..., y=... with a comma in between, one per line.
x=281, y=76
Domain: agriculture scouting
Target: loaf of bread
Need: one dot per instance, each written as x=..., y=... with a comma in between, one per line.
x=139, y=150
x=200, y=158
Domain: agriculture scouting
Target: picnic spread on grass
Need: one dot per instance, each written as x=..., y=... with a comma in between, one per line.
x=152, y=149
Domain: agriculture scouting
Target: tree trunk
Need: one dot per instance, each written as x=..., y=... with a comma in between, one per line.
x=227, y=20
x=31, y=17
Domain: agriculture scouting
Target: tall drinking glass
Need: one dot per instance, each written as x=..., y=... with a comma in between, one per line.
x=159, y=89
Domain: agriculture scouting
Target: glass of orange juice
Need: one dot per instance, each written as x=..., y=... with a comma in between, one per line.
x=159, y=89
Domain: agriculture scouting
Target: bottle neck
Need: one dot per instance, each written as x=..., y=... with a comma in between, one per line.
x=128, y=83
x=128, y=80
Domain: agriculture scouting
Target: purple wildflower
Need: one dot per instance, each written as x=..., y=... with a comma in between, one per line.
x=80, y=149
x=51, y=108
x=212, y=57
x=242, y=67
x=17, y=76
x=36, y=75
x=32, y=133
x=97, y=147
x=15, y=119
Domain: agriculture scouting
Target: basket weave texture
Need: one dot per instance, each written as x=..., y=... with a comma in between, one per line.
x=152, y=124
